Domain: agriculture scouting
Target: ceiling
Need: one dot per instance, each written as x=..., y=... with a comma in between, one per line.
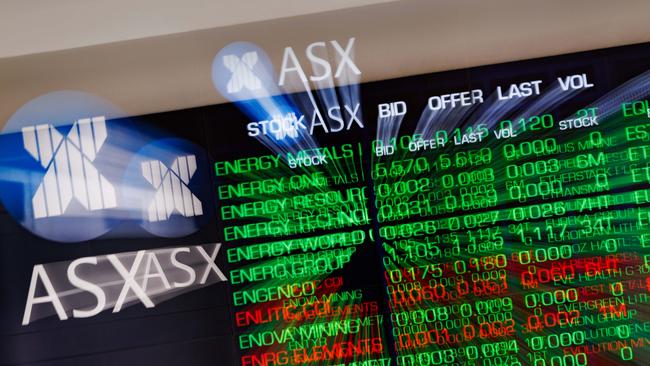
x=34, y=26
x=170, y=68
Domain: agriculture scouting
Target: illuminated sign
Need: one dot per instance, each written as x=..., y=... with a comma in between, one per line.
x=172, y=193
x=242, y=72
x=95, y=178
x=290, y=63
x=58, y=155
x=498, y=215
x=70, y=172
x=509, y=225
x=85, y=287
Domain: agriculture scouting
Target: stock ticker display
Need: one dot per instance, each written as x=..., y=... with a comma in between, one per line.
x=497, y=215
x=469, y=226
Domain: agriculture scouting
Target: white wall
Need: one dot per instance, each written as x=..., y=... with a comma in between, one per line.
x=393, y=39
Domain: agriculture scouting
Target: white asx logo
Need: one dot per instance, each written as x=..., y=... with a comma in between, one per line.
x=172, y=192
x=242, y=72
x=69, y=163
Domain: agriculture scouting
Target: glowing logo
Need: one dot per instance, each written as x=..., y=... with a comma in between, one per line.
x=172, y=192
x=60, y=163
x=69, y=164
x=242, y=72
x=85, y=287
x=69, y=178
x=167, y=186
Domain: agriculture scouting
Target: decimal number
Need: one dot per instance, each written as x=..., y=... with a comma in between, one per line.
x=531, y=148
x=463, y=159
x=400, y=168
x=532, y=123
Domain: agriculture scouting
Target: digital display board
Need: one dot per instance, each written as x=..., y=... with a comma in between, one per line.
x=497, y=215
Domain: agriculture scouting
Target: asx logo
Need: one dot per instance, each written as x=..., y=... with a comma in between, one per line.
x=289, y=125
x=167, y=187
x=243, y=73
x=243, y=70
x=76, y=177
x=69, y=167
x=322, y=68
x=87, y=286
x=172, y=190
